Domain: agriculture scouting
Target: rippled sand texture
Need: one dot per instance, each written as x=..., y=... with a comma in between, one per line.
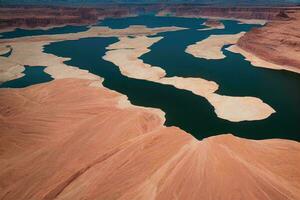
x=67, y=140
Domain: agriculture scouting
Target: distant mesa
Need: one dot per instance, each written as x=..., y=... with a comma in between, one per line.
x=212, y=23
x=47, y=16
x=264, y=46
x=282, y=15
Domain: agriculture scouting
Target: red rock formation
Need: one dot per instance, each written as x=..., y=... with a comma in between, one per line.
x=68, y=140
x=26, y=17
x=278, y=42
x=31, y=17
x=265, y=13
x=212, y=23
x=42, y=17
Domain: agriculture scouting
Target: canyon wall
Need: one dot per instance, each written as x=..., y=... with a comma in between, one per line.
x=278, y=42
x=45, y=16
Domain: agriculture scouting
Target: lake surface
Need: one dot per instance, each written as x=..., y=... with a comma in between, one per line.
x=192, y=113
x=33, y=75
x=19, y=32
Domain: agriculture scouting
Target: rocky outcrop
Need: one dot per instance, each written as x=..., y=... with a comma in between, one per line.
x=212, y=23
x=265, y=13
x=278, y=42
x=26, y=17
x=68, y=140
x=45, y=16
x=29, y=18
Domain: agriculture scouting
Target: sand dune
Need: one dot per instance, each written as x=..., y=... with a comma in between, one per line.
x=67, y=140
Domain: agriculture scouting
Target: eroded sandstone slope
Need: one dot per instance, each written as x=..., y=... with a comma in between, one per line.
x=68, y=140
x=278, y=42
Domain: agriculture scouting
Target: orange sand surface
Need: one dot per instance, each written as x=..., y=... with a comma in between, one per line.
x=67, y=140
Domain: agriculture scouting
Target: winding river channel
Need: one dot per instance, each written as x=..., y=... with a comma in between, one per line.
x=194, y=114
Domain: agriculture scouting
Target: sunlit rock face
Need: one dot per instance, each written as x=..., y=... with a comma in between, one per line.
x=278, y=43
x=70, y=140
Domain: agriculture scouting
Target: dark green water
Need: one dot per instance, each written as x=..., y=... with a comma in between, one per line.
x=152, y=21
x=28, y=32
x=33, y=75
x=183, y=109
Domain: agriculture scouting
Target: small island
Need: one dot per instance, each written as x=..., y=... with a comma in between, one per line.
x=213, y=24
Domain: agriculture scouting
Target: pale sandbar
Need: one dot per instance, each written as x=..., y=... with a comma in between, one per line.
x=126, y=52
x=10, y=70
x=34, y=56
x=211, y=47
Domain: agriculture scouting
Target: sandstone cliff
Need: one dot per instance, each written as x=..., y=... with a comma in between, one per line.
x=278, y=42
x=45, y=16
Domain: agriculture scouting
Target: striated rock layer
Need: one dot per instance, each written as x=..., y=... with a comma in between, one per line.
x=263, y=13
x=278, y=43
x=47, y=16
x=68, y=140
